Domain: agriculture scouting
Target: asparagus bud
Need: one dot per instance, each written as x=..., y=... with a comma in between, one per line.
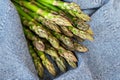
x=66, y=31
x=68, y=55
x=64, y=39
x=80, y=48
x=35, y=40
x=45, y=61
x=59, y=61
x=80, y=33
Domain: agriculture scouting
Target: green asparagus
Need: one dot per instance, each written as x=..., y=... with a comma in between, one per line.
x=55, y=28
x=45, y=61
x=50, y=24
x=35, y=40
x=36, y=61
x=71, y=8
x=53, y=17
x=59, y=60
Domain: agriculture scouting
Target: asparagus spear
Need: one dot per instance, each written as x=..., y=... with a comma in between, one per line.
x=36, y=61
x=49, y=66
x=75, y=31
x=80, y=48
x=42, y=32
x=77, y=47
x=35, y=40
x=47, y=49
x=79, y=23
x=64, y=39
x=50, y=24
x=59, y=60
x=83, y=26
x=64, y=53
x=67, y=41
x=71, y=8
x=68, y=55
x=52, y=9
x=53, y=17
x=90, y=31
x=77, y=39
x=66, y=31
x=47, y=7
x=80, y=33
x=38, y=28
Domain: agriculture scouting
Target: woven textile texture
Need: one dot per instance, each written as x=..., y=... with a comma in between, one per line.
x=100, y=63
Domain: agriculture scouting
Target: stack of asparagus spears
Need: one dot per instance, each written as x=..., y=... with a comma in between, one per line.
x=53, y=27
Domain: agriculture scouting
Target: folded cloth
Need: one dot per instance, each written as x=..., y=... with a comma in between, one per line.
x=100, y=63
x=15, y=61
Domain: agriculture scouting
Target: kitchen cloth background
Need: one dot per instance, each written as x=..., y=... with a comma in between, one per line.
x=100, y=63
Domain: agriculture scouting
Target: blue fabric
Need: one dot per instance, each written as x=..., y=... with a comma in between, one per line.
x=100, y=63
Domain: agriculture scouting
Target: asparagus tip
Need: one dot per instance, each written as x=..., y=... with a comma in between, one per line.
x=50, y=67
x=90, y=31
x=80, y=47
x=39, y=45
x=72, y=64
x=61, y=64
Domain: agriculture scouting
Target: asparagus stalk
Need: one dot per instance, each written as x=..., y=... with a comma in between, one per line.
x=50, y=24
x=80, y=48
x=59, y=60
x=47, y=49
x=83, y=26
x=51, y=8
x=71, y=22
x=38, y=28
x=80, y=33
x=36, y=61
x=79, y=23
x=42, y=32
x=45, y=61
x=77, y=39
x=47, y=7
x=67, y=41
x=71, y=8
x=35, y=40
x=64, y=39
x=68, y=55
x=50, y=16
x=66, y=31
x=77, y=47
x=75, y=31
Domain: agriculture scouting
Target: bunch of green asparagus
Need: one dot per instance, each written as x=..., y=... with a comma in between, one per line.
x=54, y=28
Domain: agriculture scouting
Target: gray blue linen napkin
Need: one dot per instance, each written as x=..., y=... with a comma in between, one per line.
x=100, y=63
